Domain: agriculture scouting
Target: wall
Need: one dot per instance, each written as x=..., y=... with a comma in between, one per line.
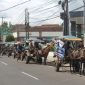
x=52, y=34
x=23, y=34
x=79, y=20
x=43, y=34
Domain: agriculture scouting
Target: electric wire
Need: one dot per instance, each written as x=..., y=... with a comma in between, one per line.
x=14, y=6
x=46, y=3
x=77, y=8
x=41, y=11
x=46, y=19
x=42, y=6
x=47, y=9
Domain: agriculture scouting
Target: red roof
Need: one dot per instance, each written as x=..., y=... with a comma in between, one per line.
x=44, y=28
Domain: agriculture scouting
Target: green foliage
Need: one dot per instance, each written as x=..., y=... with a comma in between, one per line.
x=5, y=30
x=10, y=38
x=5, y=24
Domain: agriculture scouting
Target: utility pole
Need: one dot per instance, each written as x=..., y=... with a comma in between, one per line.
x=66, y=16
x=66, y=19
x=84, y=22
x=27, y=23
x=2, y=20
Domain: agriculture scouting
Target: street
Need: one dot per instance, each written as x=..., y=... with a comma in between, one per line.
x=19, y=73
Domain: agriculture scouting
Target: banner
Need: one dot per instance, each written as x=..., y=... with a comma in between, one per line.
x=59, y=50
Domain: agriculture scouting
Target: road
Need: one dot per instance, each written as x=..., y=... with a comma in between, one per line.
x=19, y=73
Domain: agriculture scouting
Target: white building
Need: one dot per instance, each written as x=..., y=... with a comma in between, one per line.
x=44, y=31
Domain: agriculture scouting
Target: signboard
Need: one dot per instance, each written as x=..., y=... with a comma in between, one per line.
x=59, y=50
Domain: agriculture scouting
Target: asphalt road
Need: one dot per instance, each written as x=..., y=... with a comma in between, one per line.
x=19, y=73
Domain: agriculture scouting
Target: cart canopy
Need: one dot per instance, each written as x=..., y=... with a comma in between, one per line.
x=71, y=38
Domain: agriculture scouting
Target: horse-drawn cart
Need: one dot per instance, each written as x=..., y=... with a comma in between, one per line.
x=70, y=43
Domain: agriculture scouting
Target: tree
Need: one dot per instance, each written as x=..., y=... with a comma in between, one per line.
x=5, y=24
x=10, y=38
x=5, y=29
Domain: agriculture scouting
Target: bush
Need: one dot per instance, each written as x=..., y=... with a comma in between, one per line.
x=10, y=38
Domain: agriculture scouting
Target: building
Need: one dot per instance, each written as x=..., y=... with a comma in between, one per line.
x=77, y=23
x=44, y=31
x=76, y=20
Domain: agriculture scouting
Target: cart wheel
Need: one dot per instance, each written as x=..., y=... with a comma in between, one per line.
x=27, y=59
x=58, y=67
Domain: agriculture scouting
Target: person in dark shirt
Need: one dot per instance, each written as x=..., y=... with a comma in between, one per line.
x=36, y=44
x=19, y=48
x=67, y=47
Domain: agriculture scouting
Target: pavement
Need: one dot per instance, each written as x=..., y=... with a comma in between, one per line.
x=19, y=73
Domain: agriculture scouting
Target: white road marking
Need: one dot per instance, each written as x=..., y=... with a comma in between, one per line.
x=30, y=75
x=3, y=63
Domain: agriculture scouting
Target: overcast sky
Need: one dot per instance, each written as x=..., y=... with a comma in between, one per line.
x=35, y=7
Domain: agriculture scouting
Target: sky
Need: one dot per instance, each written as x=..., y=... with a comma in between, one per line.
x=40, y=11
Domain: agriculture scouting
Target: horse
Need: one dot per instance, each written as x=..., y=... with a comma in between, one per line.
x=31, y=55
x=38, y=54
x=45, y=52
x=82, y=61
x=23, y=55
x=77, y=59
x=74, y=60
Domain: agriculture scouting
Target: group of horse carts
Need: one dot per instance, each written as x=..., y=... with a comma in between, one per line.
x=36, y=55
x=75, y=57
